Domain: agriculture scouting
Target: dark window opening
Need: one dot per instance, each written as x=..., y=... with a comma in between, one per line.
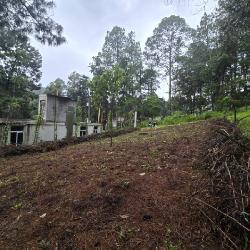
x=83, y=131
x=95, y=129
x=16, y=135
x=13, y=136
x=20, y=138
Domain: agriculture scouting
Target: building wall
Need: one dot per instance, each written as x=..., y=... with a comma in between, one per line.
x=90, y=128
x=42, y=98
x=2, y=134
x=25, y=132
x=61, y=104
x=46, y=131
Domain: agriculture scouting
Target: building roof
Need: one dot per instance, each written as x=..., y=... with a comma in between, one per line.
x=24, y=122
x=90, y=124
x=17, y=121
x=61, y=97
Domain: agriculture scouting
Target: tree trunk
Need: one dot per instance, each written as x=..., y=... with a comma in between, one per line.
x=99, y=114
x=111, y=126
x=170, y=82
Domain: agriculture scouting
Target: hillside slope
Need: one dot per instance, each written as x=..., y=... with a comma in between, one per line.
x=135, y=195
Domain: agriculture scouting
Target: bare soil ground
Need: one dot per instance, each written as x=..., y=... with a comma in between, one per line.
x=134, y=195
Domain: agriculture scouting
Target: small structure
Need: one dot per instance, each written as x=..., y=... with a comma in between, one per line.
x=57, y=121
x=89, y=129
x=118, y=122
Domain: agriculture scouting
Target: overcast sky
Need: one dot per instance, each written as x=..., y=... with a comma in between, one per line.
x=86, y=23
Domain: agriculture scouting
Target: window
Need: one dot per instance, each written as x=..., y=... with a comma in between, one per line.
x=95, y=129
x=83, y=131
x=16, y=135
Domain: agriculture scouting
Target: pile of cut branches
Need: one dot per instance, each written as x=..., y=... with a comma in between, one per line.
x=223, y=196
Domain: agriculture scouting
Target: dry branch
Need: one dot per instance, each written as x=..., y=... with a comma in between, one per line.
x=230, y=217
x=224, y=234
x=226, y=161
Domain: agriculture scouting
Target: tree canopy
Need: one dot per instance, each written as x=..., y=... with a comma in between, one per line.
x=166, y=44
x=206, y=68
x=78, y=89
x=57, y=87
x=20, y=63
x=20, y=71
x=31, y=17
x=215, y=67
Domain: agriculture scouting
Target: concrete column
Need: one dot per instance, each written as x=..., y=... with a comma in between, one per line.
x=135, y=120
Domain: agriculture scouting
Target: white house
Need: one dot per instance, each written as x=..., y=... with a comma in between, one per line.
x=58, y=122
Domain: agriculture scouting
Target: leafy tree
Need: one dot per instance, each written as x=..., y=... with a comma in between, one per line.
x=19, y=72
x=123, y=51
x=166, y=45
x=152, y=106
x=113, y=51
x=233, y=21
x=78, y=89
x=57, y=87
x=213, y=73
x=20, y=63
x=105, y=89
x=149, y=81
x=97, y=67
x=209, y=72
x=119, y=49
x=113, y=79
x=126, y=108
x=191, y=78
x=99, y=97
x=31, y=17
x=132, y=65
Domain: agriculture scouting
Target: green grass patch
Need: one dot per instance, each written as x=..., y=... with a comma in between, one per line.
x=243, y=118
x=180, y=118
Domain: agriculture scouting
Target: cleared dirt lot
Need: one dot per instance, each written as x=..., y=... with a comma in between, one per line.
x=134, y=195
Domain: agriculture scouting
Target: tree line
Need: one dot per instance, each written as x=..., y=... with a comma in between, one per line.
x=206, y=68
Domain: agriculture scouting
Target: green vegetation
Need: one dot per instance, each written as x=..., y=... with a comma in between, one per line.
x=18, y=206
x=168, y=243
x=210, y=74
x=243, y=118
x=179, y=117
x=206, y=68
x=20, y=63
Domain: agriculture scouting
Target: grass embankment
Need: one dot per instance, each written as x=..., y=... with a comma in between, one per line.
x=180, y=118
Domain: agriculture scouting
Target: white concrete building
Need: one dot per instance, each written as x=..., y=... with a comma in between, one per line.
x=58, y=122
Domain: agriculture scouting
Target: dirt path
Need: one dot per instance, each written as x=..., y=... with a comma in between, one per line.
x=134, y=195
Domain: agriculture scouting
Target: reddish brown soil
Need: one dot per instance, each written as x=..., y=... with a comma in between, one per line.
x=92, y=196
